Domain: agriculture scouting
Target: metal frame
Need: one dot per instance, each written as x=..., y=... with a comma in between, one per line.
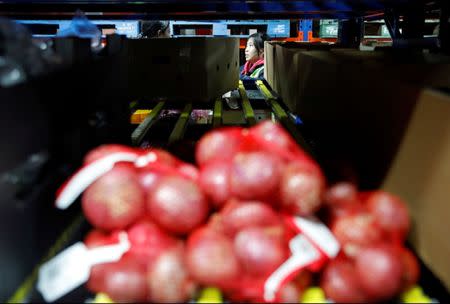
x=181, y=125
x=351, y=32
x=406, y=26
x=444, y=27
x=248, y=112
x=392, y=21
x=283, y=117
x=206, y=9
x=139, y=133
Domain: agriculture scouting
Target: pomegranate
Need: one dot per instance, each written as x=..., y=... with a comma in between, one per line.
x=301, y=189
x=168, y=280
x=341, y=194
x=189, y=171
x=125, y=281
x=115, y=200
x=411, y=268
x=260, y=252
x=177, y=204
x=355, y=232
x=336, y=212
x=379, y=270
x=271, y=137
x=218, y=144
x=255, y=175
x=148, y=241
x=211, y=259
x=214, y=180
x=165, y=158
x=340, y=282
x=391, y=214
x=237, y=215
x=148, y=179
x=272, y=134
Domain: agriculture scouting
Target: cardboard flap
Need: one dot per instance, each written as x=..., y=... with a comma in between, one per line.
x=420, y=174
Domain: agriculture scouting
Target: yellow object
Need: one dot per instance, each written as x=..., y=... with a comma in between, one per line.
x=210, y=295
x=313, y=295
x=139, y=115
x=102, y=298
x=415, y=295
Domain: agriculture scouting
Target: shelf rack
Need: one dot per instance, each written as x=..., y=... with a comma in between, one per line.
x=404, y=19
x=209, y=9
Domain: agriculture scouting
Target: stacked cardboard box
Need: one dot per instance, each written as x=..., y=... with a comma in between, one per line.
x=189, y=69
x=374, y=114
x=420, y=174
x=356, y=103
x=275, y=70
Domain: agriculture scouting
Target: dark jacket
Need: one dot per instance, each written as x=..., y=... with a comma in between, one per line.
x=258, y=73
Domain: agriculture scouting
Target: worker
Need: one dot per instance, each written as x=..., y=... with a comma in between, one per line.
x=254, y=56
x=155, y=29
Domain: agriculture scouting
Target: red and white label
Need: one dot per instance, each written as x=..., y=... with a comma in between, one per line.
x=314, y=245
x=303, y=254
x=71, y=268
x=319, y=234
x=89, y=173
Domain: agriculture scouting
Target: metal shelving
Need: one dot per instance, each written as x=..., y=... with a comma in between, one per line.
x=182, y=9
x=274, y=28
x=404, y=19
x=129, y=28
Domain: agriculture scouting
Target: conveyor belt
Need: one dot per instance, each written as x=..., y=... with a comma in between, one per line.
x=260, y=99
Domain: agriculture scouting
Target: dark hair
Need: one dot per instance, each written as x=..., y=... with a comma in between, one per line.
x=150, y=29
x=258, y=39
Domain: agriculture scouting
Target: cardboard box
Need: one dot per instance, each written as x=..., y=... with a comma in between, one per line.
x=357, y=104
x=188, y=69
x=420, y=175
x=332, y=84
x=269, y=63
x=280, y=69
x=285, y=73
x=311, y=80
x=273, y=66
x=418, y=68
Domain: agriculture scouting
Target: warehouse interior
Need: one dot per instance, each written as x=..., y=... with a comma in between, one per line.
x=361, y=87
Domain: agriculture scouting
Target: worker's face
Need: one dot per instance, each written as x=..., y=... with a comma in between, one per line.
x=251, y=53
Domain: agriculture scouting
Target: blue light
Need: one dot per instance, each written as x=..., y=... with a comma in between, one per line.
x=306, y=6
x=238, y=7
x=272, y=7
x=338, y=6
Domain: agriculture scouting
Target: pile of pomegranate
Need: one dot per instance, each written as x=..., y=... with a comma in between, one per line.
x=222, y=223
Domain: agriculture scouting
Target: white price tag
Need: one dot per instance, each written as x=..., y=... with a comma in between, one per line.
x=319, y=234
x=300, y=245
x=89, y=174
x=63, y=273
x=110, y=253
x=71, y=268
x=303, y=254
